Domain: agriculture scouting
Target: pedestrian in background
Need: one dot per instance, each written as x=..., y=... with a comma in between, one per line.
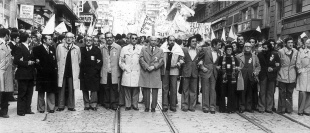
x=45, y=56
x=91, y=63
x=68, y=57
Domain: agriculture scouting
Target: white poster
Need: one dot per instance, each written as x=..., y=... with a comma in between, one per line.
x=26, y=11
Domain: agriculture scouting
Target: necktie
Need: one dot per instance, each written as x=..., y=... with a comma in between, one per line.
x=47, y=49
x=109, y=48
x=134, y=47
x=87, y=48
x=152, y=49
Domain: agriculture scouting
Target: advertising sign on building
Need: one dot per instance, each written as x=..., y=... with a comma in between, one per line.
x=26, y=11
x=86, y=18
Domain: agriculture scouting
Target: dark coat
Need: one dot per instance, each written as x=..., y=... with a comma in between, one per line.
x=13, y=47
x=91, y=63
x=46, y=69
x=207, y=58
x=22, y=56
x=274, y=63
x=189, y=68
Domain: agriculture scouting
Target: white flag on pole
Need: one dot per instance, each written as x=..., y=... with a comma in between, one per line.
x=90, y=29
x=212, y=34
x=223, y=35
x=258, y=29
x=303, y=35
x=232, y=33
x=61, y=28
x=50, y=26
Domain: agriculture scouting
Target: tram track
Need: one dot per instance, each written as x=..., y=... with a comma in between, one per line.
x=265, y=129
x=117, y=121
x=170, y=124
x=295, y=121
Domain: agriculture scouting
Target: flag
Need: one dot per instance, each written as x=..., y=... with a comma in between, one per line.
x=303, y=35
x=232, y=33
x=16, y=23
x=82, y=28
x=258, y=29
x=90, y=29
x=212, y=34
x=50, y=26
x=223, y=35
x=61, y=28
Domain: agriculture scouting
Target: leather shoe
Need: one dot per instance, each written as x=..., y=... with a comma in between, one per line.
x=71, y=109
x=31, y=112
x=5, y=116
x=94, y=109
x=153, y=110
x=192, y=110
x=86, y=108
x=134, y=108
x=114, y=108
x=241, y=111
x=250, y=111
x=127, y=108
x=300, y=114
x=146, y=110
x=205, y=111
x=184, y=110
x=270, y=112
x=51, y=111
x=197, y=102
x=165, y=110
x=21, y=114
x=60, y=109
x=41, y=111
x=261, y=112
x=173, y=110
x=307, y=114
x=212, y=112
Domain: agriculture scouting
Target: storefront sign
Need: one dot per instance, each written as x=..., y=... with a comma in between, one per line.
x=86, y=18
x=26, y=11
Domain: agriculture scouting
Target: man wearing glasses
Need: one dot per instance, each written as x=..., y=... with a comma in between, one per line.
x=110, y=72
x=90, y=73
x=129, y=63
x=69, y=58
x=250, y=68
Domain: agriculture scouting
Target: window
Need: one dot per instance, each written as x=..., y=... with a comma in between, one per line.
x=267, y=12
x=245, y=14
x=298, y=6
x=254, y=11
x=280, y=9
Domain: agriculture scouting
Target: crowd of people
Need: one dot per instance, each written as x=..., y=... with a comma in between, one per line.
x=111, y=70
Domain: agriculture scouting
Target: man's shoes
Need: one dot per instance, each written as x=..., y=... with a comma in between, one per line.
x=241, y=111
x=5, y=116
x=127, y=108
x=261, y=111
x=153, y=110
x=71, y=109
x=86, y=108
x=192, y=110
x=142, y=101
x=250, y=111
x=184, y=110
x=94, y=108
x=51, y=111
x=114, y=108
x=31, y=112
x=173, y=110
x=300, y=114
x=41, y=111
x=197, y=102
x=212, y=112
x=60, y=109
x=12, y=99
x=270, y=112
x=205, y=111
x=146, y=110
x=21, y=114
x=307, y=114
x=134, y=108
x=164, y=109
x=274, y=109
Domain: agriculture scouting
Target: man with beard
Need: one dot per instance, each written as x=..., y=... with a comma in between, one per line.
x=270, y=64
x=96, y=42
x=45, y=56
x=250, y=68
x=287, y=76
x=240, y=44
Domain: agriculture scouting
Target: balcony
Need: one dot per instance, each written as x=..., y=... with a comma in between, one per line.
x=249, y=25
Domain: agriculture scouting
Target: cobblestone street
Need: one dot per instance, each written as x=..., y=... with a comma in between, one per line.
x=140, y=121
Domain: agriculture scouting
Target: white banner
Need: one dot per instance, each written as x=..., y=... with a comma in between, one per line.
x=146, y=28
x=26, y=11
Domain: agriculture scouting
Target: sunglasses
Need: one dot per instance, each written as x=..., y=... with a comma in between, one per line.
x=134, y=38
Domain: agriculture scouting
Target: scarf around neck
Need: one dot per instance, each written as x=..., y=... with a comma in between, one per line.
x=233, y=79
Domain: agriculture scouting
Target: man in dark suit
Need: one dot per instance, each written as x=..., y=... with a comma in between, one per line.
x=270, y=65
x=189, y=71
x=91, y=63
x=46, y=66
x=209, y=56
x=25, y=75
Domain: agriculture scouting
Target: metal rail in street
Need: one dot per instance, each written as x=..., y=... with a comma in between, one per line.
x=255, y=123
x=168, y=121
x=117, y=122
x=293, y=120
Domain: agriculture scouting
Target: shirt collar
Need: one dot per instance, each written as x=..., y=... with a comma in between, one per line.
x=2, y=41
x=26, y=44
x=190, y=48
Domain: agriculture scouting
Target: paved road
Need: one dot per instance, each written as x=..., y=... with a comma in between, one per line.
x=140, y=121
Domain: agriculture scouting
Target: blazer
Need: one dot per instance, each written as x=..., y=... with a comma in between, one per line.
x=207, y=59
x=190, y=67
x=147, y=58
x=22, y=56
x=114, y=59
x=129, y=63
x=273, y=62
x=255, y=62
x=46, y=68
x=13, y=47
x=61, y=56
x=287, y=72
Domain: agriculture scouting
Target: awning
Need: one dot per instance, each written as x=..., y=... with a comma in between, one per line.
x=32, y=2
x=218, y=20
x=27, y=21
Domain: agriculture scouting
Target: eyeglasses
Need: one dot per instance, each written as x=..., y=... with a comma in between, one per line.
x=89, y=40
x=290, y=42
x=69, y=37
x=134, y=38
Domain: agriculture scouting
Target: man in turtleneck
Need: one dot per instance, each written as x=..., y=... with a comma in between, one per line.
x=250, y=68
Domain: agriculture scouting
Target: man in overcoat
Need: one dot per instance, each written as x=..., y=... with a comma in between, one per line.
x=110, y=72
x=129, y=63
x=6, y=75
x=45, y=56
x=91, y=63
x=68, y=57
x=151, y=60
x=25, y=75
